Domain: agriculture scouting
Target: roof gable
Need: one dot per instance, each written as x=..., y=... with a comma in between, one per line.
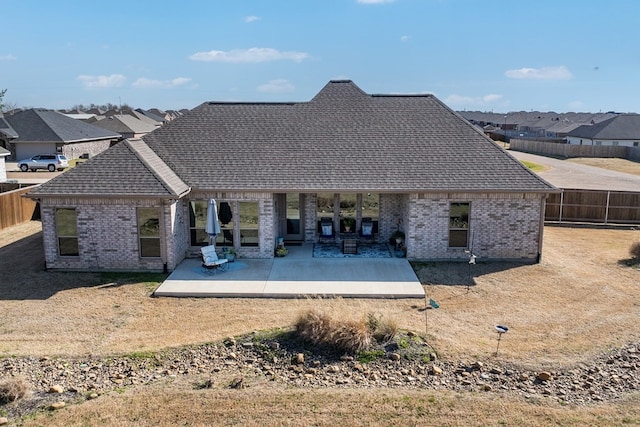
x=129, y=168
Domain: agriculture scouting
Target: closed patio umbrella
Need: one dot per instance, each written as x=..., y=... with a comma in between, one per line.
x=212, y=227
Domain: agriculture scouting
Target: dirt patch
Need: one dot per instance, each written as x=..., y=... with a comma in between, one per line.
x=618, y=165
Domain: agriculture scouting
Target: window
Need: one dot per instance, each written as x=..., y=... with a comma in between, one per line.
x=149, y=232
x=67, y=232
x=249, y=229
x=197, y=223
x=458, y=225
x=636, y=144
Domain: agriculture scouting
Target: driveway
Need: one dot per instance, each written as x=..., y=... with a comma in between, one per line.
x=564, y=174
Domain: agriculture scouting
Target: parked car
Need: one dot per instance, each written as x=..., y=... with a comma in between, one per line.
x=51, y=162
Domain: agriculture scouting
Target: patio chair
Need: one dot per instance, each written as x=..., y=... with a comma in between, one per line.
x=326, y=229
x=366, y=229
x=210, y=262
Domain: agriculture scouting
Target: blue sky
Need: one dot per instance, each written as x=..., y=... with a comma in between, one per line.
x=492, y=55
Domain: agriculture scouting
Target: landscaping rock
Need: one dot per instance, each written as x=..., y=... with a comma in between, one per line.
x=544, y=376
x=56, y=389
x=58, y=405
x=3, y=421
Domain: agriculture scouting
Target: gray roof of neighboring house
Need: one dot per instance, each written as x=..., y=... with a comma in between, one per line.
x=343, y=140
x=124, y=124
x=4, y=152
x=36, y=125
x=622, y=127
x=151, y=115
x=6, y=129
x=129, y=168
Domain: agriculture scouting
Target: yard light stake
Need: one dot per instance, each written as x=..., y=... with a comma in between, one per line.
x=501, y=330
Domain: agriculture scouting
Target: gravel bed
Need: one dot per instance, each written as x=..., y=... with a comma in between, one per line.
x=406, y=362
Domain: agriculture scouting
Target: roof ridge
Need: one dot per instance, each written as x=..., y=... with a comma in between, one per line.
x=163, y=173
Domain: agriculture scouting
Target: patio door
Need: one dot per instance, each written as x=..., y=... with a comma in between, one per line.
x=294, y=216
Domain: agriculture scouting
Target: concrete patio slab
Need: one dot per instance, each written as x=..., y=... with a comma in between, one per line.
x=296, y=275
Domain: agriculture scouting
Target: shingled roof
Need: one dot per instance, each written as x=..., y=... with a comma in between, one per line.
x=127, y=169
x=621, y=127
x=341, y=140
x=36, y=125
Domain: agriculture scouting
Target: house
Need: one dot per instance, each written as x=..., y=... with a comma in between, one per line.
x=41, y=131
x=7, y=134
x=402, y=162
x=126, y=125
x=3, y=167
x=622, y=130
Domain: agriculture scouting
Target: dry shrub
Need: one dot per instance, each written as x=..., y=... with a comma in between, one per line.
x=351, y=336
x=314, y=326
x=346, y=335
x=387, y=330
x=382, y=328
x=12, y=389
x=634, y=250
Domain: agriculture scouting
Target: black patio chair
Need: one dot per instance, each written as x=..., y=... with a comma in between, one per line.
x=366, y=229
x=326, y=229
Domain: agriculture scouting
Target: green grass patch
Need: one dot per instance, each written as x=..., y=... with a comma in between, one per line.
x=535, y=167
x=369, y=356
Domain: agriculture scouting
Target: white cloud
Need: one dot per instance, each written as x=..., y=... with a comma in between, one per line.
x=8, y=57
x=404, y=38
x=544, y=73
x=375, y=1
x=114, y=80
x=252, y=18
x=160, y=84
x=469, y=101
x=253, y=55
x=277, y=86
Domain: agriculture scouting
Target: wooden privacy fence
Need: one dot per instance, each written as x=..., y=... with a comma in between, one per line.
x=568, y=150
x=608, y=207
x=15, y=209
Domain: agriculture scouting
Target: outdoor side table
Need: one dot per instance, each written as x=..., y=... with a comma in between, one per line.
x=350, y=246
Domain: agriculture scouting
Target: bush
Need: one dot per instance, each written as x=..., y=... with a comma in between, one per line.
x=634, y=251
x=12, y=390
x=383, y=329
x=346, y=335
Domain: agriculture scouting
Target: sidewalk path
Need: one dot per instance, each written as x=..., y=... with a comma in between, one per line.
x=564, y=174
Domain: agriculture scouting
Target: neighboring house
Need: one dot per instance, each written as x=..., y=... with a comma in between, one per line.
x=148, y=120
x=48, y=132
x=3, y=167
x=622, y=130
x=160, y=118
x=407, y=162
x=126, y=125
x=7, y=134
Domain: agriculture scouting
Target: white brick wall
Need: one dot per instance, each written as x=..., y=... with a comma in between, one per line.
x=502, y=226
x=107, y=235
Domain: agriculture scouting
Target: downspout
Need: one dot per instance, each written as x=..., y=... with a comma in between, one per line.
x=163, y=236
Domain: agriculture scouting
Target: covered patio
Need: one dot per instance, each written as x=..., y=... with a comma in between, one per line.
x=299, y=274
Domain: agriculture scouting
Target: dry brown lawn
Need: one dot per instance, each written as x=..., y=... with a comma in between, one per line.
x=619, y=165
x=579, y=301
x=179, y=404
